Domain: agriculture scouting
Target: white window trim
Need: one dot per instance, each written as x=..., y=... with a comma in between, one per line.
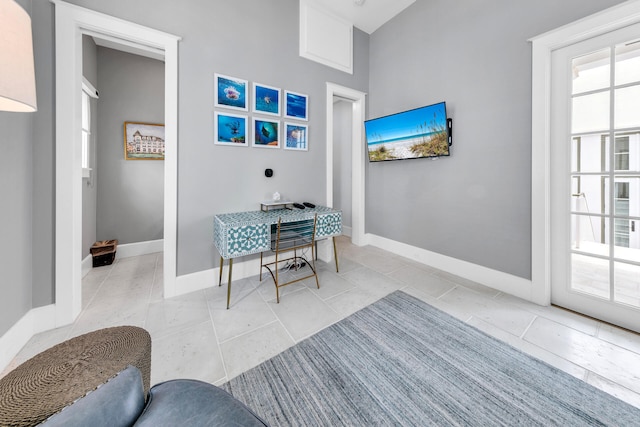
x=89, y=90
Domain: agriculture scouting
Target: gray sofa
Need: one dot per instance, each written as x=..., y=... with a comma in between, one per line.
x=121, y=402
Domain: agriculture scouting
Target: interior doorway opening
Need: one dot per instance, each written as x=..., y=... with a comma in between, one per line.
x=353, y=101
x=71, y=23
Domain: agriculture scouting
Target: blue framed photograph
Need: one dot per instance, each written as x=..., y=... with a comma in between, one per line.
x=296, y=105
x=231, y=92
x=266, y=99
x=296, y=137
x=230, y=129
x=266, y=133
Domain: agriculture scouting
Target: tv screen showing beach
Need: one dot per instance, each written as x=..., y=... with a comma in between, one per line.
x=412, y=134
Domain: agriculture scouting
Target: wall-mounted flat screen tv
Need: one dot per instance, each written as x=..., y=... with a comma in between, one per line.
x=413, y=134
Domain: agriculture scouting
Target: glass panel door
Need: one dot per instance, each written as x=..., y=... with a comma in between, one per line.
x=596, y=174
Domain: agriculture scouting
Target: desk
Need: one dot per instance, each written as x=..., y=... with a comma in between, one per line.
x=245, y=233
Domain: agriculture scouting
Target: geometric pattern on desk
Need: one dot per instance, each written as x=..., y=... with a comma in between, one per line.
x=329, y=225
x=244, y=233
x=248, y=239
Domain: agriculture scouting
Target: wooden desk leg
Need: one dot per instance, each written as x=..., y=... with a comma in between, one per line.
x=221, y=267
x=335, y=253
x=229, y=282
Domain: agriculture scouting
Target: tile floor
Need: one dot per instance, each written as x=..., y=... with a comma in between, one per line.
x=194, y=336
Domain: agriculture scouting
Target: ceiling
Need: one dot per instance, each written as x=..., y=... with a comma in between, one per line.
x=370, y=15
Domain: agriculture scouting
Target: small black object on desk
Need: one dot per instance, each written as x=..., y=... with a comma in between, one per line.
x=309, y=205
x=298, y=205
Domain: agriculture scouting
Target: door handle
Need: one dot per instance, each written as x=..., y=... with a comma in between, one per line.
x=633, y=226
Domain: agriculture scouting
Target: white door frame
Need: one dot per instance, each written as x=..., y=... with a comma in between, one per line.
x=71, y=22
x=357, y=156
x=610, y=19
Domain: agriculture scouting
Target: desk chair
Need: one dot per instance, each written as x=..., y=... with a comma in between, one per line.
x=291, y=237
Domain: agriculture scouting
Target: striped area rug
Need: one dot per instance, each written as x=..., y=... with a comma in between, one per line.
x=402, y=362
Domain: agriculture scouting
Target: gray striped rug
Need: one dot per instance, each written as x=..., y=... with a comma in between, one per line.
x=402, y=362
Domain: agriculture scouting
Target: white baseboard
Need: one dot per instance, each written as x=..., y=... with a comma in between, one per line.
x=208, y=278
x=504, y=282
x=347, y=231
x=33, y=322
x=139, y=248
x=87, y=265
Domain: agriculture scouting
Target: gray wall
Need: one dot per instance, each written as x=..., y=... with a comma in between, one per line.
x=43, y=231
x=16, y=215
x=475, y=205
x=130, y=192
x=342, y=128
x=89, y=188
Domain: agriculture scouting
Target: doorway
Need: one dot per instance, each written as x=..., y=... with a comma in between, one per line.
x=595, y=177
x=71, y=22
x=356, y=104
x=342, y=131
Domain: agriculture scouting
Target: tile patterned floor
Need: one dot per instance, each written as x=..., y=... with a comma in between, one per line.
x=194, y=336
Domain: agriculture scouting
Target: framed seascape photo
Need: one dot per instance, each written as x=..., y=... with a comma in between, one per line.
x=266, y=99
x=143, y=141
x=230, y=129
x=266, y=133
x=231, y=92
x=296, y=105
x=296, y=137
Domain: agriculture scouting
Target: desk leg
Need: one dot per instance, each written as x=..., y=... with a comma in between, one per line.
x=335, y=253
x=229, y=282
x=221, y=267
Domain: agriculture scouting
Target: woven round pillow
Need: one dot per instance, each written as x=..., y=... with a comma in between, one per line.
x=55, y=378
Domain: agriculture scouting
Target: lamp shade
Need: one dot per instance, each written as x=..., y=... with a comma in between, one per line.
x=17, y=76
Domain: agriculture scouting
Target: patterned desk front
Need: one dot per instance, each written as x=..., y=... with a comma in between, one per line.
x=245, y=233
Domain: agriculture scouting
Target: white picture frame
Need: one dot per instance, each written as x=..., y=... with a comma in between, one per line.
x=296, y=136
x=231, y=92
x=295, y=105
x=266, y=99
x=230, y=129
x=265, y=132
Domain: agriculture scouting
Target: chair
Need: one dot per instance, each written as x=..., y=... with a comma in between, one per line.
x=291, y=237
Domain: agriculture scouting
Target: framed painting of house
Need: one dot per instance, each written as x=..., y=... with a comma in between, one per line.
x=143, y=141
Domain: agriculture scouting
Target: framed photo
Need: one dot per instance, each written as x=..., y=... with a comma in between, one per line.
x=266, y=99
x=231, y=92
x=296, y=137
x=296, y=105
x=266, y=133
x=230, y=129
x=143, y=141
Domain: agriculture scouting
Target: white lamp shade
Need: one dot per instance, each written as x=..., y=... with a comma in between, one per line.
x=17, y=76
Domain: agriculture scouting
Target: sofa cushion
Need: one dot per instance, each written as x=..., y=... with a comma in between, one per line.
x=116, y=403
x=194, y=403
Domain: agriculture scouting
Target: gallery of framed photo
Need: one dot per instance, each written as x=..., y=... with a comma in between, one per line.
x=231, y=92
x=296, y=105
x=296, y=137
x=266, y=133
x=230, y=129
x=266, y=99
x=143, y=141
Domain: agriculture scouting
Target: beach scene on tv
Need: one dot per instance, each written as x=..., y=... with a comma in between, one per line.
x=421, y=132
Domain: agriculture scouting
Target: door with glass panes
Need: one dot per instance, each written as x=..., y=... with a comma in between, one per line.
x=595, y=177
